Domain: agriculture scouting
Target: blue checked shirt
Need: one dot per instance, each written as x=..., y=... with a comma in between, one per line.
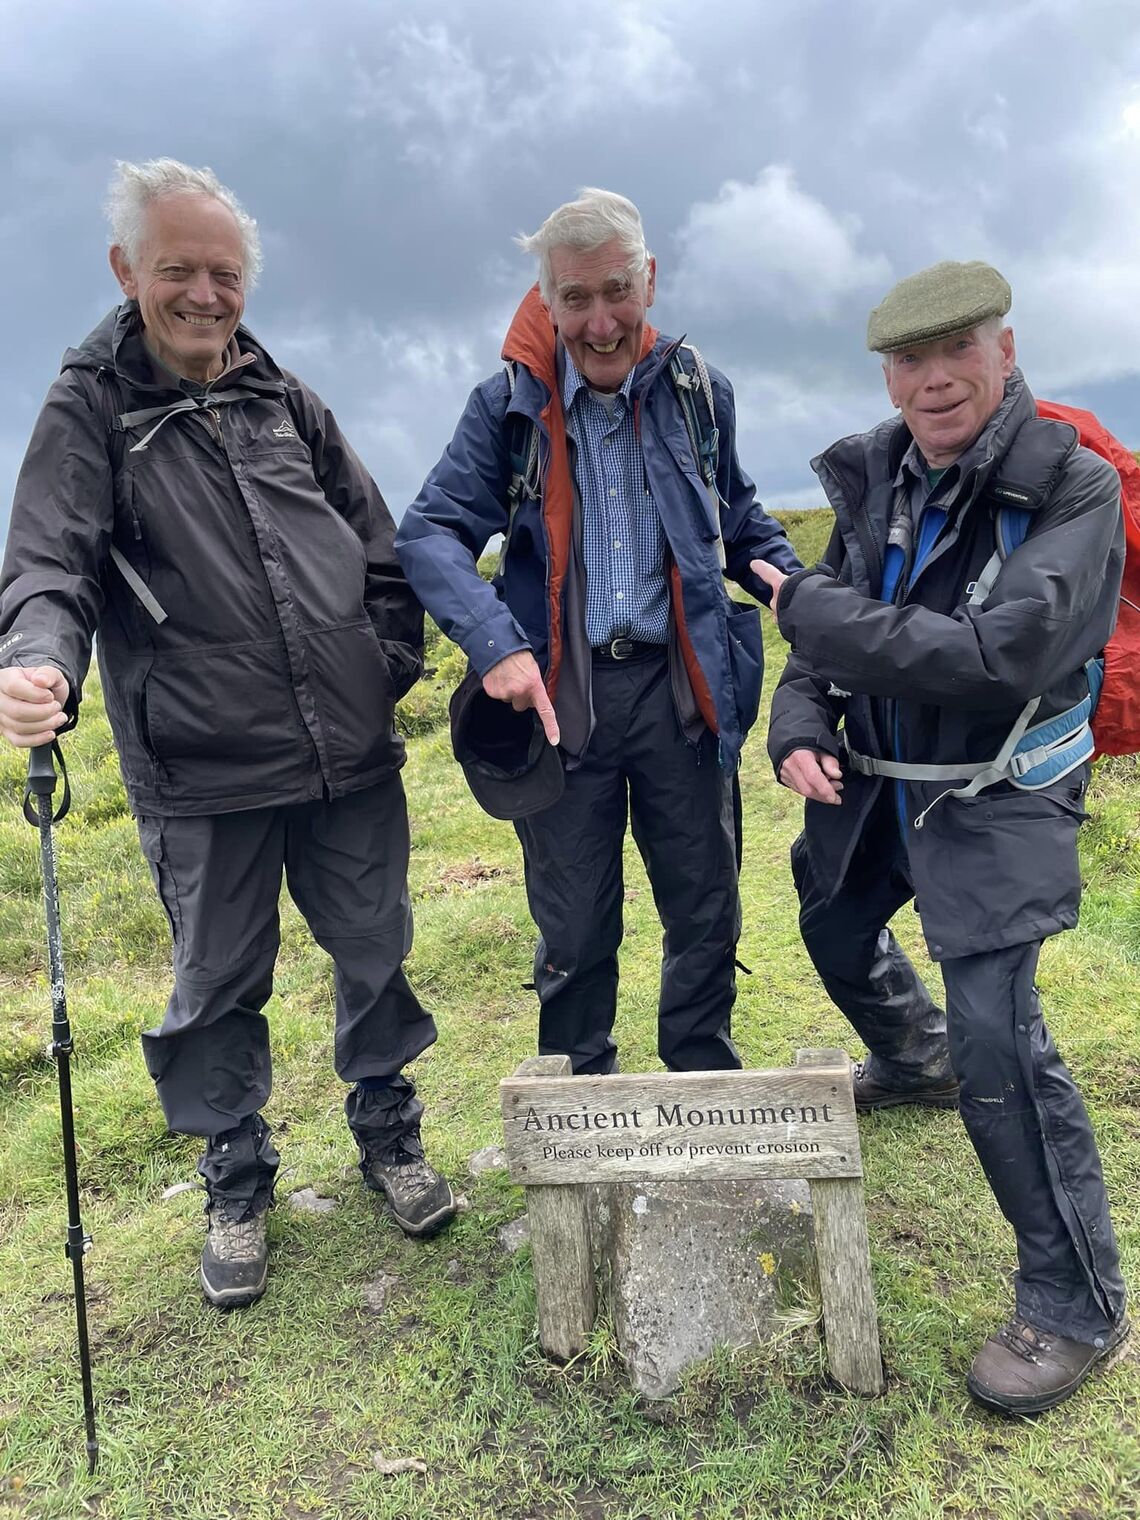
x=623, y=542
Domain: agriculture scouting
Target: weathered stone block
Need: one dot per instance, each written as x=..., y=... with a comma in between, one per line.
x=685, y=1267
x=514, y=1234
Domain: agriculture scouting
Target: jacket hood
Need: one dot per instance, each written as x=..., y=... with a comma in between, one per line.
x=532, y=339
x=117, y=344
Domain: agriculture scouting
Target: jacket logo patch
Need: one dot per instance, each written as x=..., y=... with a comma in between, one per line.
x=285, y=430
x=7, y=644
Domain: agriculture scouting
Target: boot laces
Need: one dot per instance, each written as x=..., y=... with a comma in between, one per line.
x=236, y=1239
x=1023, y=1340
x=416, y=1176
x=405, y=1168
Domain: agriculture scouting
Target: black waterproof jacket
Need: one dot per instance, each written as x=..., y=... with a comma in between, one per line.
x=948, y=680
x=291, y=630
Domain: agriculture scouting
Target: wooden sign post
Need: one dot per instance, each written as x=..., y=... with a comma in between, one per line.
x=562, y=1132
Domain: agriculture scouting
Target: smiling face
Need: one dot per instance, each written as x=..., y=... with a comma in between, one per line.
x=949, y=389
x=599, y=309
x=187, y=280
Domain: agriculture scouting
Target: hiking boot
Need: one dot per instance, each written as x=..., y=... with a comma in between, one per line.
x=234, y=1258
x=420, y=1199
x=1023, y=1370
x=870, y=1093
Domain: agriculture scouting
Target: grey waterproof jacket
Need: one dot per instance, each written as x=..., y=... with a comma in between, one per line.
x=290, y=628
x=930, y=679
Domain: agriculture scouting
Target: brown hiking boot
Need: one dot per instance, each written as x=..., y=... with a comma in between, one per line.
x=1023, y=1370
x=941, y=1092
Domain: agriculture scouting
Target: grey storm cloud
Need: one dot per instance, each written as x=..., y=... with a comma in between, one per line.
x=790, y=160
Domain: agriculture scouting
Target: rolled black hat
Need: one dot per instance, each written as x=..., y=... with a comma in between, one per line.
x=511, y=767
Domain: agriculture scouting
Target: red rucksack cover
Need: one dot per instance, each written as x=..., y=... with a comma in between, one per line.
x=1116, y=722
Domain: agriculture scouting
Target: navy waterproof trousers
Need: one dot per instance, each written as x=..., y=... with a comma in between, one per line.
x=1022, y=1110
x=680, y=804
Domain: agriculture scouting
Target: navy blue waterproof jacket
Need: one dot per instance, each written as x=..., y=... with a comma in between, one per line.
x=537, y=602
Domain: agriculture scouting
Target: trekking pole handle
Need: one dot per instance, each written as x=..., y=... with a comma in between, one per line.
x=41, y=784
x=41, y=770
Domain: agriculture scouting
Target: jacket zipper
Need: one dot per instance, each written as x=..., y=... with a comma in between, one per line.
x=214, y=423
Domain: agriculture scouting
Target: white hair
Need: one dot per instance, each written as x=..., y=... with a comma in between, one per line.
x=595, y=218
x=134, y=187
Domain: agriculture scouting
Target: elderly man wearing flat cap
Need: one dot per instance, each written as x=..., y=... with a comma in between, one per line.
x=941, y=661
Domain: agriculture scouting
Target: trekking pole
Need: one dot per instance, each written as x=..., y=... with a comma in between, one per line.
x=41, y=786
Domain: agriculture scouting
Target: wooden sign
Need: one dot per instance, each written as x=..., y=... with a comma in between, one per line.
x=716, y=1124
x=562, y=1132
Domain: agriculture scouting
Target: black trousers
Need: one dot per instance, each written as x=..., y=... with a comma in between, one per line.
x=680, y=804
x=219, y=878
x=1022, y=1110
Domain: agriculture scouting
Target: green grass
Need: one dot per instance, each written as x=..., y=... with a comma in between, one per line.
x=275, y=1413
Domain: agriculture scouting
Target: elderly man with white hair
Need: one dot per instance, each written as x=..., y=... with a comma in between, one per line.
x=605, y=454
x=199, y=508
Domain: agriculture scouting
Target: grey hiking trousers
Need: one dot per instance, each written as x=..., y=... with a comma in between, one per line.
x=219, y=879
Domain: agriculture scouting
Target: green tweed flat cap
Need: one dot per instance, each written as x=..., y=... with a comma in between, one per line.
x=935, y=303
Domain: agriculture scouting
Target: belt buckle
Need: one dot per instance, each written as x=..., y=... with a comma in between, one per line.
x=621, y=648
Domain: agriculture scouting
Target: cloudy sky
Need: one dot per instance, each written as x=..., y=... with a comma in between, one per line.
x=791, y=159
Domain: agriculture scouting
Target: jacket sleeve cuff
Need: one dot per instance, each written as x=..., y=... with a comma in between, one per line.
x=823, y=740
x=405, y=665
x=492, y=641
x=789, y=589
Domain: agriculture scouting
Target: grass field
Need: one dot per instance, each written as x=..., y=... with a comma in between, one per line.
x=277, y=1413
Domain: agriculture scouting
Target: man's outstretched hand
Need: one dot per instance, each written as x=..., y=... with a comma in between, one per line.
x=771, y=577
x=32, y=700
x=518, y=680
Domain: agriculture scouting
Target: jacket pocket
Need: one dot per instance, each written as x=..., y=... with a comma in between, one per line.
x=355, y=695
x=745, y=661
x=228, y=704
x=998, y=869
x=150, y=838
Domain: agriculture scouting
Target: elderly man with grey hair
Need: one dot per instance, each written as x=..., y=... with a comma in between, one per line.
x=605, y=454
x=933, y=713
x=199, y=508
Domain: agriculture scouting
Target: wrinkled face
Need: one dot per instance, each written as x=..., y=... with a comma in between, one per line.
x=599, y=309
x=949, y=389
x=188, y=282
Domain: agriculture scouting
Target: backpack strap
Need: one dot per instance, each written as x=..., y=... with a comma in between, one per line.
x=1011, y=524
x=526, y=482
x=1030, y=758
x=704, y=435
x=119, y=424
x=111, y=398
x=160, y=415
x=704, y=439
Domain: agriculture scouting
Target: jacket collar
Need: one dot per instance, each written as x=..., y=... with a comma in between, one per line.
x=878, y=454
x=532, y=340
x=117, y=343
